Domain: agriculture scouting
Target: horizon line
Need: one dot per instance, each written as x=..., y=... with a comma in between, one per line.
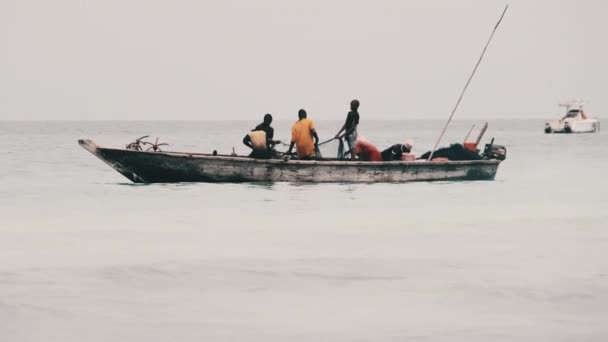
x=257, y=119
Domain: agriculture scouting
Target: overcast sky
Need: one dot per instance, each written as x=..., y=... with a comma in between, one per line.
x=214, y=60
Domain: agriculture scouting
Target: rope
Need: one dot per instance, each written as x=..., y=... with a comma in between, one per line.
x=320, y=144
x=467, y=84
x=326, y=141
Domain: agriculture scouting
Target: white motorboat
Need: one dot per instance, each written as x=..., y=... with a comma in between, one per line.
x=575, y=120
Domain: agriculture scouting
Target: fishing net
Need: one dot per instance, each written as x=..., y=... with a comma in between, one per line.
x=333, y=149
x=454, y=152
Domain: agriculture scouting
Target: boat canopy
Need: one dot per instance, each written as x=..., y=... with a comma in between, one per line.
x=570, y=104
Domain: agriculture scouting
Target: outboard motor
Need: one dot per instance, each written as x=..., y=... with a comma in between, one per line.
x=497, y=152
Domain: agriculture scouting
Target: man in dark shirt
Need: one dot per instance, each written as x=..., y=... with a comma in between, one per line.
x=265, y=126
x=350, y=127
x=396, y=152
x=263, y=148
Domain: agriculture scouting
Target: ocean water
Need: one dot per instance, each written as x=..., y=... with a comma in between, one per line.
x=87, y=256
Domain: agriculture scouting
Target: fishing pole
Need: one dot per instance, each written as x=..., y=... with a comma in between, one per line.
x=467, y=84
x=326, y=141
x=320, y=144
x=467, y=136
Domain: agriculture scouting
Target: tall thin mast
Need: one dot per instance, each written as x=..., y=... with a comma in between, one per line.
x=467, y=84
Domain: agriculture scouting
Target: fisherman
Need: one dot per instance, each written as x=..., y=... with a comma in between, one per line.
x=260, y=139
x=366, y=150
x=350, y=127
x=302, y=134
x=396, y=151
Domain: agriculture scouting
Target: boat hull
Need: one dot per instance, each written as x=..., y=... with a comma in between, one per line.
x=173, y=167
x=572, y=126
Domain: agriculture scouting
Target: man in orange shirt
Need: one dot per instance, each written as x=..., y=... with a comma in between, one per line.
x=302, y=134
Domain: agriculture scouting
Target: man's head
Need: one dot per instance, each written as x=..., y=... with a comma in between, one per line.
x=354, y=105
x=267, y=119
x=302, y=114
x=407, y=146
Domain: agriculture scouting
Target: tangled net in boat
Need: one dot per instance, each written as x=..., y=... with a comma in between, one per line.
x=454, y=152
x=155, y=146
x=136, y=145
x=140, y=144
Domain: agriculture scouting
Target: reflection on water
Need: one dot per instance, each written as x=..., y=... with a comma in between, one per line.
x=262, y=185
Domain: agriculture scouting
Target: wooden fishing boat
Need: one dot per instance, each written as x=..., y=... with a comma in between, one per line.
x=173, y=167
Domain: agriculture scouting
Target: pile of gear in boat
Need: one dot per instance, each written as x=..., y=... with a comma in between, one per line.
x=305, y=139
x=139, y=145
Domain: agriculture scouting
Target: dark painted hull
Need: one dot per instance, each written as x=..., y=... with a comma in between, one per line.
x=173, y=167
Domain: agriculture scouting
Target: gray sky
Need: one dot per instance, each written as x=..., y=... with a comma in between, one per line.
x=130, y=59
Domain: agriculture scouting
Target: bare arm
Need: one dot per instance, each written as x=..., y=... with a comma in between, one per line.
x=341, y=130
x=290, y=147
x=247, y=141
x=315, y=135
x=269, y=139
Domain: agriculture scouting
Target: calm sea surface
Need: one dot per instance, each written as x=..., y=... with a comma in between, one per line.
x=87, y=256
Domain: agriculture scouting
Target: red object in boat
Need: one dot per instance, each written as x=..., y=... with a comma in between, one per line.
x=367, y=151
x=471, y=146
x=408, y=157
